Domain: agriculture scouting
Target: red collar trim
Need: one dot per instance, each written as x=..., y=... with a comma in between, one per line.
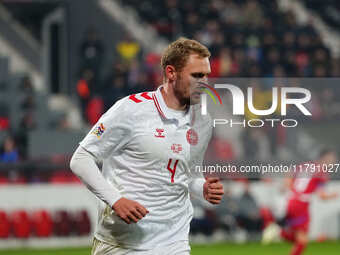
x=157, y=105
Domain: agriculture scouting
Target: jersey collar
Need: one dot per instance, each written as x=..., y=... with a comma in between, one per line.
x=164, y=110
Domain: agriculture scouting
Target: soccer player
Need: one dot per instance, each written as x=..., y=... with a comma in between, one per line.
x=146, y=146
x=307, y=182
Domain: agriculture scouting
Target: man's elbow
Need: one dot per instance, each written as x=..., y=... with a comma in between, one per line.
x=80, y=160
x=73, y=163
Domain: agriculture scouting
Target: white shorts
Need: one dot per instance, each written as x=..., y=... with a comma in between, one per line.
x=102, y=248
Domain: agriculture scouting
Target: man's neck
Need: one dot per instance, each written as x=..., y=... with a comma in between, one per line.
x=170, y=98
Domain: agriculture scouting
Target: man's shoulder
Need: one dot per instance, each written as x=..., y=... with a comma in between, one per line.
x=141, y=98
x=133, y=103
x=129, y=110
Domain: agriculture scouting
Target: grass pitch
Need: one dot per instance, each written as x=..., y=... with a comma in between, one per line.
x=326, y=248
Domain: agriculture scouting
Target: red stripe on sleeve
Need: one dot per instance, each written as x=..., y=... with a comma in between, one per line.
x=146, y=96
x=133, y=98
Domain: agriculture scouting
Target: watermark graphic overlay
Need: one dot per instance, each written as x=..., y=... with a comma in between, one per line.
x=262, y=126
x=211, y=91
x=239, y=102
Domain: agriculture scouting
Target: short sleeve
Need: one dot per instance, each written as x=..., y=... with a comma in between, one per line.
x=111, y=133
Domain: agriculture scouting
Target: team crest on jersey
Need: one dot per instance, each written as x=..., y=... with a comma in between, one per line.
x=176, y=148
x=98, y=131
x=192, y=137
x=159, y=133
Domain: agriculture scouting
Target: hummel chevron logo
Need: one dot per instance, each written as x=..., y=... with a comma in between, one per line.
x=138, y=98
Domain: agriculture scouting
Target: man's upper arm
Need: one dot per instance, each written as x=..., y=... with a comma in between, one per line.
x=111, y=133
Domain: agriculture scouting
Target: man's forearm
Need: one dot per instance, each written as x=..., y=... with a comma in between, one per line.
x=83, y=164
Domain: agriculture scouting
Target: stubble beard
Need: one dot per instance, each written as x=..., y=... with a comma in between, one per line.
x=183, y=100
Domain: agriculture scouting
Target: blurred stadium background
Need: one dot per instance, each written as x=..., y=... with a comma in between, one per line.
x=64, y=62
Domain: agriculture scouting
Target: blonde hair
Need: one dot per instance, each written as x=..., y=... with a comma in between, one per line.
x=178, y=52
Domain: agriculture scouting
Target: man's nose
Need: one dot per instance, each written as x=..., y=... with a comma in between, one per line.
x=202, y=81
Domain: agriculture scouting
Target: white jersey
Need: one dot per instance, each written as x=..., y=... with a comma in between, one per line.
x=147, y=151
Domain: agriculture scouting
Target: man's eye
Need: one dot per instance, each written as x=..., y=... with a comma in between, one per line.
x=198, y=75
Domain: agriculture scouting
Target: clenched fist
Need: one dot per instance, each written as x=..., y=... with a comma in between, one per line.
x=129, y=210
x=213, y=190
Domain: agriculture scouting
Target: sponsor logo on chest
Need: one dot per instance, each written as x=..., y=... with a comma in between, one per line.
x=176, y=148
x=159, y=133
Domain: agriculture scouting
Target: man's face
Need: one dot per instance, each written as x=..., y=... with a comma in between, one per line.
x=187, y=83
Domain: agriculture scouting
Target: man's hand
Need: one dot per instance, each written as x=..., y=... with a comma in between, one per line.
x=129, y=210
x=327, y=196
x=213, y=190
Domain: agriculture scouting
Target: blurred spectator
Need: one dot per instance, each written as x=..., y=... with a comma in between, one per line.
x=153, y=71
x=249, y=216
x=223, y=65
x=28, y=103
x=226, y=212
x=253, y=51
x=128, y=48
x=330, y=107
x=85, y=89
x=320, y=71
x=63, y=123
x=335, y=68
x=59, y=121
x=142, y=84
x=94, y=110
x=27, y=124
x=10, y=152
x=289, y=64
x=240, y=62
x=26, y=86
x=4, y=116
x=192, y=24
x=202, y=221
x=207, y=34
x=289, y=41
x=91, y=53
x=134, y=73
x=252, y=14
x=114, y=91
x=231, y=13
x=272, y=59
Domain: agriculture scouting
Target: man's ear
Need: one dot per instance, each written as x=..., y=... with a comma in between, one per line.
x=170, y=73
